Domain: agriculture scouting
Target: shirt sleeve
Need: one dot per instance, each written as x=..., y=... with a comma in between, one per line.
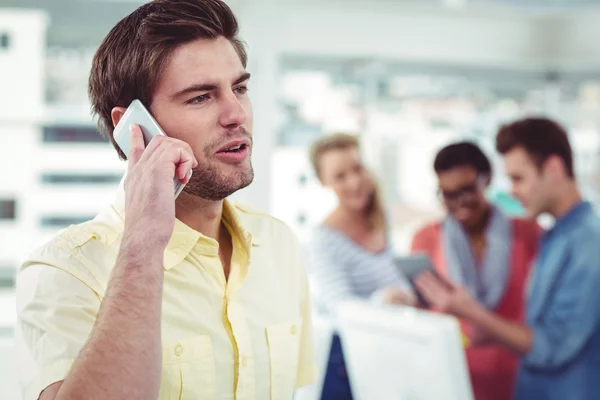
x=573, y=315
x=331, y=284
x=55, y=315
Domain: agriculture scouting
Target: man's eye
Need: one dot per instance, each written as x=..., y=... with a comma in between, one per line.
x=199, y=99
x=241, y=89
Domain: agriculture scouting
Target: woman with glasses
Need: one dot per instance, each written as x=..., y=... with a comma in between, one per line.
x=479, y=247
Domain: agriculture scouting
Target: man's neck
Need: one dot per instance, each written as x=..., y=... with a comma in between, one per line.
x=200, y=214
x=568, y=198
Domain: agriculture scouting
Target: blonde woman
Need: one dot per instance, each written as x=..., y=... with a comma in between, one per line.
x=350, y=252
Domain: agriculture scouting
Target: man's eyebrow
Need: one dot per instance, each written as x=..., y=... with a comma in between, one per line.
x=244, y=77
x=198, y=87
x=206, y=87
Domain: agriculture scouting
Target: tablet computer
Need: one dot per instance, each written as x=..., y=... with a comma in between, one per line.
x=413, y=266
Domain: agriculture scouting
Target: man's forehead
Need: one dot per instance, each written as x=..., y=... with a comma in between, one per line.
x=517, y=158
x=204, y=60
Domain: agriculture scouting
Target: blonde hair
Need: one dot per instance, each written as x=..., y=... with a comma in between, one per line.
x=343, y=141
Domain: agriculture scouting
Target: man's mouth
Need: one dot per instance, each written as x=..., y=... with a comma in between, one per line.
x=234, y=149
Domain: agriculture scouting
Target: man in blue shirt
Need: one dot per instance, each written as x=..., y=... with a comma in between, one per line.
x=560, y=340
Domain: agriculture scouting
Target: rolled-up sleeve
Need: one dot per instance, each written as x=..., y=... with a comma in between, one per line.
x=573, y=313
x=56, y=313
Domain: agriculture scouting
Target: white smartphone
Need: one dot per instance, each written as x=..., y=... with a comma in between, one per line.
x=137, y=114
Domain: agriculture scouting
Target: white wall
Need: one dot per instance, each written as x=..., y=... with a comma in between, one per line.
x=22, y=65
x=432, y=36
x=576, y=38
x=21, y=105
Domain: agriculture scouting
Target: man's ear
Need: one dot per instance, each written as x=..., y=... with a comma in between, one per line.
x=555, y=165
x=116, y=114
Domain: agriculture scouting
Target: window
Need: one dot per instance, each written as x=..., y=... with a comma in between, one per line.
x=4, y=40
x=8, y=209
x=7, y=276
x=58, y=222
x=301, y=218
x=80, y=179
x=302, y=180
x=72, y=134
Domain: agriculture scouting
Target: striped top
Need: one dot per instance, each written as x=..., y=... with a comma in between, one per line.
x=343, y=270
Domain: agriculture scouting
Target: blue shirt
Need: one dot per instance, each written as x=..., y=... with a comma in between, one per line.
x=563, y=312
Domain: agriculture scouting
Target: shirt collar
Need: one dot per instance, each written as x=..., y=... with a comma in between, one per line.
x=572, y=218
x=184, y=238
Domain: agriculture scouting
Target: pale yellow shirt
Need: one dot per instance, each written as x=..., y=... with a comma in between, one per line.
x=248, y=338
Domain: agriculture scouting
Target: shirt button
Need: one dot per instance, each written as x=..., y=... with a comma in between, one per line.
x=244, y=361
x=178, y=350
x=293, y=330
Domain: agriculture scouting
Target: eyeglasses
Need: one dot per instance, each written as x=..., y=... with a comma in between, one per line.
x=466, y=191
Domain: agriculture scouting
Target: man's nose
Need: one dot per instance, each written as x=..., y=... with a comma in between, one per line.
x=232, y=111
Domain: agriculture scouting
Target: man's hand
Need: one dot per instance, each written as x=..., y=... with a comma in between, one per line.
x=149, y=192
x=122, y=357
x=487, y=327
x=445, y=296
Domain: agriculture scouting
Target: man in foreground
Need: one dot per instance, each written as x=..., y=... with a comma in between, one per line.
x=156, y=298
x=559, y=344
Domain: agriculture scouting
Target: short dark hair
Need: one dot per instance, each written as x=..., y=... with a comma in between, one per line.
x=540, y=138
x=462, y=154
x=131, y=59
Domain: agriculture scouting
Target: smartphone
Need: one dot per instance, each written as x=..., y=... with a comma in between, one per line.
x=137, y=114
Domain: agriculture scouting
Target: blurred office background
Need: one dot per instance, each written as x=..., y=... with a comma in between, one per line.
x=407, y=76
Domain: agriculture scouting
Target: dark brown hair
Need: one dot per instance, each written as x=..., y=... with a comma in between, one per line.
x=131, y=59
x=343, y=141
x=540, y=138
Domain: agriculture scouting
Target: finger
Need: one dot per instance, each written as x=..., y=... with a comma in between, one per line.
x=446, y=282
x=183, y=174
x=439, y=279
x=136, y=144
x=429, y=298
x=428, y=275
x=154, y=147
x=194, y=160
x=180, y=155
x=426, y=278
x=432, y=287
x=425, y=291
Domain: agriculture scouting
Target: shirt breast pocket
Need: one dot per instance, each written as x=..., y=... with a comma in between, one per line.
x=188, y=370
x=284, y=350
